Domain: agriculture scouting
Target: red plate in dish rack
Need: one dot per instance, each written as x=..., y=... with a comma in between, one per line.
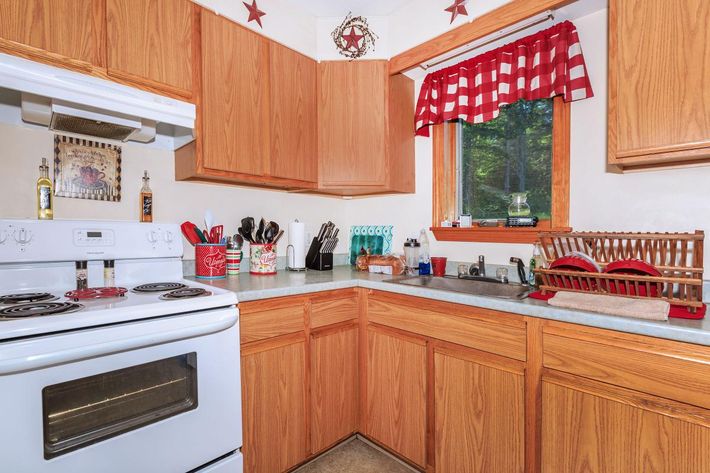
x=96, y=293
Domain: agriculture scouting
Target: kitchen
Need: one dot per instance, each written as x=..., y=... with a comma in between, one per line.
x=652, y=200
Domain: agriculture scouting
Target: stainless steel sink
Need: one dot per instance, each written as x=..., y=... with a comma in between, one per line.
x=467, y=286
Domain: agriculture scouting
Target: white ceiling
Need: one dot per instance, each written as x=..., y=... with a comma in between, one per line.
x=325, y=8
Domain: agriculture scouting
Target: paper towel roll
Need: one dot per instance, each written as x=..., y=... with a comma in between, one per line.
x=297, y=244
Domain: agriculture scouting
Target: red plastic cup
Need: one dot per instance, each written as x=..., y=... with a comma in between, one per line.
x=438, y=265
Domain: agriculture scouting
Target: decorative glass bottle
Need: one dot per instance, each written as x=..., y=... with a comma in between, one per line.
x=44, y=193
x=519, y=205
x=146, y=199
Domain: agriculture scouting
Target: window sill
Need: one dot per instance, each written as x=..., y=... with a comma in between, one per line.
x=494, y=234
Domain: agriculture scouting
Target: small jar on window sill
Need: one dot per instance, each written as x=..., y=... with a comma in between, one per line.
x=519, y=205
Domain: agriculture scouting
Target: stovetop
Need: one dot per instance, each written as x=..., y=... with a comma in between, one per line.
x=42, y=311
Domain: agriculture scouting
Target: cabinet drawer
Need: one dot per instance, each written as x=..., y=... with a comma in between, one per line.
x=270, y=322
x=333, y=311
x=672, y=370
x=502, y=337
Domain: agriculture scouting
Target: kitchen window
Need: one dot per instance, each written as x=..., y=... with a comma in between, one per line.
x=478, y=166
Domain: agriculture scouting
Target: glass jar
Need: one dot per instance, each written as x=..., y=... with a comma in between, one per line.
x=519, y=205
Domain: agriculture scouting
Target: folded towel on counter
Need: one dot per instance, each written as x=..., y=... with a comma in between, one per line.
x=648, y=309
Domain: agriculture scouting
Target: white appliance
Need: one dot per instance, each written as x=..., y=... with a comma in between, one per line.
x=145, y=381
x=71, y=102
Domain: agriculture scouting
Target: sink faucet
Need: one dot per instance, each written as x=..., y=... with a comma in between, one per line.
x=478, y=269
x=521, y=269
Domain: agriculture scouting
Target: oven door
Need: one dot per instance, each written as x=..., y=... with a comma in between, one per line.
x=161, y=395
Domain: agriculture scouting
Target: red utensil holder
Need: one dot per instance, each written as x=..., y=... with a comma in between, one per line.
x=210, y=261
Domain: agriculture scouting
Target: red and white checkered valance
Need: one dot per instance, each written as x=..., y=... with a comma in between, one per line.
x=542, y=65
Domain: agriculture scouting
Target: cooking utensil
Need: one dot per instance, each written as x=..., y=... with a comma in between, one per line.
x=216, y=234
x=238, y=241
x=188, y=231
x=269, y=233
x=245, y=235
x=275, y=227
x=200, y=234
x=248, y=227
x=209, y=220
x=260, y=231
x=278, y=237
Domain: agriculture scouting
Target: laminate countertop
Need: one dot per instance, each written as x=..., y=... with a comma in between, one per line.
x=254, y=288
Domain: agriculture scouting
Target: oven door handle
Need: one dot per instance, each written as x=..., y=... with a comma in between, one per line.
x=43, y=352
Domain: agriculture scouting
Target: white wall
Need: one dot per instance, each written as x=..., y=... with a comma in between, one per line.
x=668, y=200
x=23, y=148
x=285, y=21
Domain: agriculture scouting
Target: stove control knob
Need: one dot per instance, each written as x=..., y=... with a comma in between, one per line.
x=168, y=236
x=23, y=236
x=153, y=236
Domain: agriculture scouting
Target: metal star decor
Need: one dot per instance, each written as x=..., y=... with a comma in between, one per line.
x=456, y=9
x=353, y=37
x=254, y=13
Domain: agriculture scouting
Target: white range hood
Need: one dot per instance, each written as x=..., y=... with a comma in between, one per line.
x=70, y=102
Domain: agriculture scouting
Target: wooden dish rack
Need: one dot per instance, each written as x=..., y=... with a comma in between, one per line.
x=677, y=256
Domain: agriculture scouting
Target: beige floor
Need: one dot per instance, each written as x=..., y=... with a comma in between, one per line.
x=355, y=456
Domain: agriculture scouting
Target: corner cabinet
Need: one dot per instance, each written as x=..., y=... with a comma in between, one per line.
x=365, y=129
x=659, y=108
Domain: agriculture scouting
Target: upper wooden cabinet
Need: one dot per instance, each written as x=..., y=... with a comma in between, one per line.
x=67, y=33
x=365, y=128
x=256, y=110
x=151, y=42
x=293, y=114
x=659, y=108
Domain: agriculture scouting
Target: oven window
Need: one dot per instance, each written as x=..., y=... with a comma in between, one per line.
x=84, y=411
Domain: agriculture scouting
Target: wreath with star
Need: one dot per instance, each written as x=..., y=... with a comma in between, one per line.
x=353, y=37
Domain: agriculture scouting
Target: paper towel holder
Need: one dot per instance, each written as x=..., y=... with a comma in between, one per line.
x=288, y=261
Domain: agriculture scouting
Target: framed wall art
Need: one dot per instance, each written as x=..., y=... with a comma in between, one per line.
x=85, y=169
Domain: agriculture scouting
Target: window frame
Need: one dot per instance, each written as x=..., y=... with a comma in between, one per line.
x=444, y=202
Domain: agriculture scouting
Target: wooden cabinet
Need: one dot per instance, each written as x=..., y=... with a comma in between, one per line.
x=66, y=33
x=334, y=385
x=293, y=114
x=150, y=42
x=479, y=412
x=274, y=406
x=255, y=112
x=365, y=129
x=235, y=95
x=592, y=427
x=659, y=108
x=396, y=392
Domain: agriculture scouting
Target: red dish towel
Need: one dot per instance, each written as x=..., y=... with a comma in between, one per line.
x=676, y=312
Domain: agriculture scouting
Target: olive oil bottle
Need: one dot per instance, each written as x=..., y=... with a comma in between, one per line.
x=146, y=199
x=45, y=204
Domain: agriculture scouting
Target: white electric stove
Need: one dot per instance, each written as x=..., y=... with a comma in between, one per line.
x=146, y=379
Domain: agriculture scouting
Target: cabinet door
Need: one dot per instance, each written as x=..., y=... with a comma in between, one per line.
x=235, y=96
x=151, y=41
x=333, y=385
x=293, y=115
x=479, y=414
x=659, y=104
x=273, y=401
x=396, y=393
x=591, y=428
x=351, y=123
x=70, y=31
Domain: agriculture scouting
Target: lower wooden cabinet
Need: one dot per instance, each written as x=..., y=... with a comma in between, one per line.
x=334, y=385
x=396, y=393
x=592, y=427
x=479, y=413
x=274, y=407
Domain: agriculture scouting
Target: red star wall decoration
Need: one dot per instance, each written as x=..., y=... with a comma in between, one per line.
x=456, y=9
x=352, y=39
x=254, y=12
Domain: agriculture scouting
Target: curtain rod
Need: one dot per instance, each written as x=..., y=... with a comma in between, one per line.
x=532, y=21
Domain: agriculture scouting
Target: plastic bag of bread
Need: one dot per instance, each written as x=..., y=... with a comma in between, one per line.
x=385, y=264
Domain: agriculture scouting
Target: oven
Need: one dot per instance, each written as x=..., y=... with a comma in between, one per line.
x=159, y=395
